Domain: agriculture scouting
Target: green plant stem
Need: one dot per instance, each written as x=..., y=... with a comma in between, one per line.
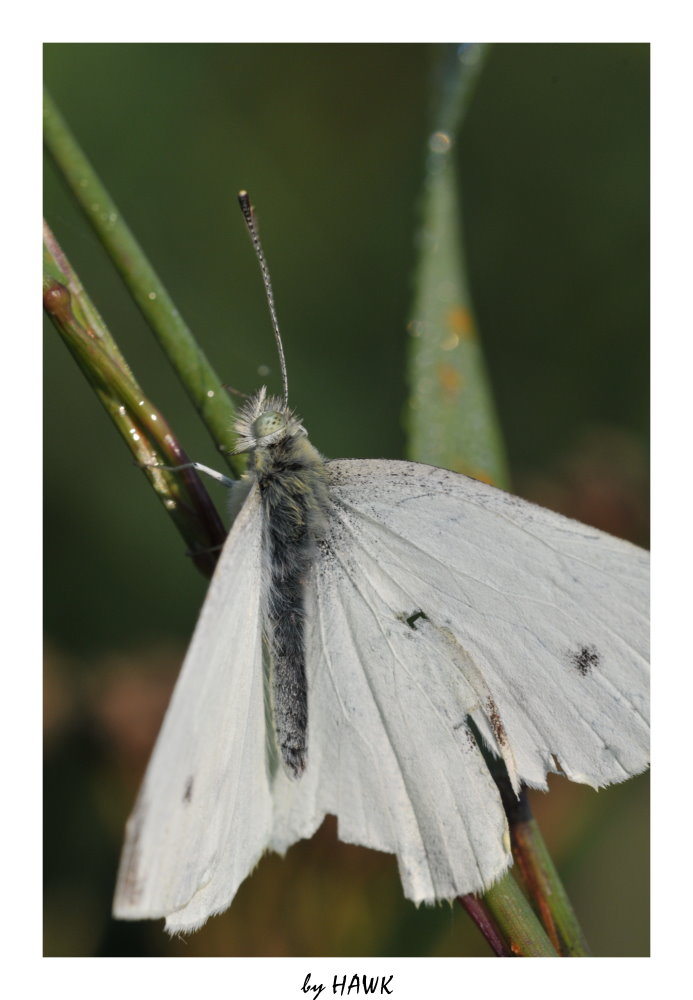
x=140, y=424
x=534, y=865
x=517, y=921
x=197, y=375
x=544, y=885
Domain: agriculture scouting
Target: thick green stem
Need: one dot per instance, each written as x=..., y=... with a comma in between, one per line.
x=140, y=424
x=516, y=920
x=544, y=885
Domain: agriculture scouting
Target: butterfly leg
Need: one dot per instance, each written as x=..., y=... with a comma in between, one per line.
x=198, y=466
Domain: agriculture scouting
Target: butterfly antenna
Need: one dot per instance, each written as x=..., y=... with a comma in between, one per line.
x=249, y=216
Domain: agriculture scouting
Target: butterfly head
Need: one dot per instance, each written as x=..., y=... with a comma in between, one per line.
x=265, y=420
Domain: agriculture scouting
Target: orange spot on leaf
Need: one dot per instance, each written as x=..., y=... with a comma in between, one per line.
x=450, y=380
x=460, y=322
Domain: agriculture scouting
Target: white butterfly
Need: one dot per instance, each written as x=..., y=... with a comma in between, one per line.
x=361, y=614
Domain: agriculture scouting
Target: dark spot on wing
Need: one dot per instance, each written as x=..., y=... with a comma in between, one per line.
x=586, y=658
x=493, y=716
x=187, y=794
x=414, y=617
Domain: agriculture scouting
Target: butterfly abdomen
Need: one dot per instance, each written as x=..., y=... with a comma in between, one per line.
x=291, y=478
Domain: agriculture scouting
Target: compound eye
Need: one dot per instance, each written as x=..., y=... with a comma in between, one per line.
x=268, y=422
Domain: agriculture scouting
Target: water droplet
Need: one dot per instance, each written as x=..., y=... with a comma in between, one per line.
x=415, y=328
x=440, y=142
x=210, y=393
x=450, y=342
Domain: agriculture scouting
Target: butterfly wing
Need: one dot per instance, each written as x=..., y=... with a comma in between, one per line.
x=204, y=813
x=436, y=599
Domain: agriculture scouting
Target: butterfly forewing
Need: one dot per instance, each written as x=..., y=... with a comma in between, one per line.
x=203, y=815
x=550, y=616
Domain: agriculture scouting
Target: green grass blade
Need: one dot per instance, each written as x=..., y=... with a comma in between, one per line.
x=451, y=420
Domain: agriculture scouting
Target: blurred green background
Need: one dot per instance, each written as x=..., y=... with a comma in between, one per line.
x=331, y=141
